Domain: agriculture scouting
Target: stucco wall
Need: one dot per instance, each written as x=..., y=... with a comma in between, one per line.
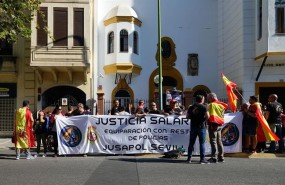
x=192, y=31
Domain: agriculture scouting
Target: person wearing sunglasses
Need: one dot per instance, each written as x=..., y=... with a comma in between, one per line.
x=154, y=109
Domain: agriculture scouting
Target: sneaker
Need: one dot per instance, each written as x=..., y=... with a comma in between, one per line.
x=269, y=151
x=212, y=160
x=188, y=161
x=17, y=157
x=279, y=151
x=253, y=151
x=221, y=160
x=28, y=157
x=36, y=155
x=85, y=155
x=204, y=162
x=44, y=155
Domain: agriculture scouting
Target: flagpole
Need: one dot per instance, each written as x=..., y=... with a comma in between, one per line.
x=240, y=95
x=159, y=57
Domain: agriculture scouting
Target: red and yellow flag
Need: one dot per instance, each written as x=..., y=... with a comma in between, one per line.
x=267, y=131
x=216, y=111
x=231, y=95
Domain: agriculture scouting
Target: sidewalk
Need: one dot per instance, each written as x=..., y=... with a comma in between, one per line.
x=6, y=146
x=6, y=143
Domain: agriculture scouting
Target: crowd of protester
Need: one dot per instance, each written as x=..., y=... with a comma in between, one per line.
x=203, y=117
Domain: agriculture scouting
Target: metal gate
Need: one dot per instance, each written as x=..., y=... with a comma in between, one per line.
x=7, y=111
x=124, y=101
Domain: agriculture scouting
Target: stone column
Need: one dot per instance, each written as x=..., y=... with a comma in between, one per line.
x=155, y=98
x=188, y=97
x=100, y=101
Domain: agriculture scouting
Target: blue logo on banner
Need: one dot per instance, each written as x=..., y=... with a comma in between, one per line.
x=70, y=136
x=230, y=134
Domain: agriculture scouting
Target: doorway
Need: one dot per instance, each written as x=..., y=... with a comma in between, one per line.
x=55, y=96
x=263, y=90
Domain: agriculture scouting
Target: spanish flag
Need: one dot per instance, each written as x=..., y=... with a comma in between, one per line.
x=267, y=131
x=23, y=132
x=231, y=95
x=216, y=111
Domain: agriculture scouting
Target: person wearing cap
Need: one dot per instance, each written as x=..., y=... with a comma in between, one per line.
x=23, y=132
x=139, y=112
x=173, y=108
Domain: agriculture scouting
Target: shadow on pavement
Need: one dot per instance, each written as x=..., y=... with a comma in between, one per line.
x=148, y=160
x=8, y=156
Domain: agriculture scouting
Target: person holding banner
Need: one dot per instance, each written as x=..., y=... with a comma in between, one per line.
x=198, y=114
x=140, y=109
x=154, y=109
x=216, y=120
x=57, y=112
x=80, y=110
x=123, y=112
x=115, y=108
x=252, y=124
x=173, y=108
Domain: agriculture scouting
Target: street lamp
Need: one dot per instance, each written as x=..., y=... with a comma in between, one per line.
x=159, y=57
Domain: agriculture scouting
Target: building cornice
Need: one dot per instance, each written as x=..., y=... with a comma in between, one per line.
x=269, y=54
x=122, y=68
x=118, y=19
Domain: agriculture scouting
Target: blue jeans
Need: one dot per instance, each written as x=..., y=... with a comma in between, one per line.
x=201, y=133
x=277, y=129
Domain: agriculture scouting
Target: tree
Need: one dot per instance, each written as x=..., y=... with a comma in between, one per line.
x=16, y=17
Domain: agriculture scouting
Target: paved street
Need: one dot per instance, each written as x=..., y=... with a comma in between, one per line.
x=137, y=170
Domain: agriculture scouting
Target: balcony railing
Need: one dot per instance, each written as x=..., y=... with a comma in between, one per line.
x=60, y=56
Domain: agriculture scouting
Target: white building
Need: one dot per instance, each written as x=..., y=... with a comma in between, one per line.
x=184, y=28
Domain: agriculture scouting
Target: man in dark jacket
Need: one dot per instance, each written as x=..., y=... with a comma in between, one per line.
x=199, y=115
x=273, y=116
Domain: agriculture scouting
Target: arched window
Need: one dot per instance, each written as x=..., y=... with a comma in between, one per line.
x=111, y=42
x=124, y=41
x=136, y=43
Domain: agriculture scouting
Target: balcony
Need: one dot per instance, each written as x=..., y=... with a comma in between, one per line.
x=58, y=60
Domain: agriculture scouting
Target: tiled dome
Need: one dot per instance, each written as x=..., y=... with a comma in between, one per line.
x=121, y=10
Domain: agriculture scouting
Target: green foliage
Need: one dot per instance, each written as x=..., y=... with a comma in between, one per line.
x=16, y=17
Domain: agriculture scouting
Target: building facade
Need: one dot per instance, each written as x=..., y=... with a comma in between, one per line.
x=101, y=50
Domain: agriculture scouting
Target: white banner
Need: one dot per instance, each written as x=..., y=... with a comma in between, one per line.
x=130, y=135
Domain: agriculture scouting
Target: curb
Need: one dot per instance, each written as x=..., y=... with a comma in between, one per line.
x=255, y=155
x=6, y=144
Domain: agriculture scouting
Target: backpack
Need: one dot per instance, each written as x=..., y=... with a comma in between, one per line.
x=39, y=128
x=174, y=154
